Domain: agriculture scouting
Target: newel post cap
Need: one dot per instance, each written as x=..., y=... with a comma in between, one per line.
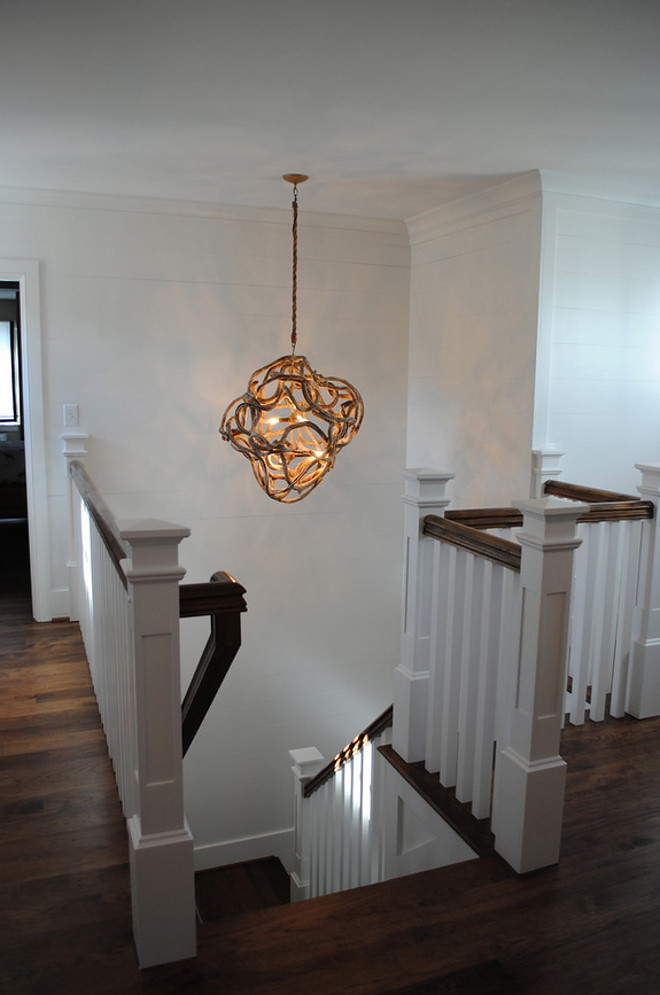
x=549, y=521
x=426, y=487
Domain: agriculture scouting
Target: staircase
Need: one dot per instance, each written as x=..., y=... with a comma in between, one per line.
x=504, y=634
x=589, y=923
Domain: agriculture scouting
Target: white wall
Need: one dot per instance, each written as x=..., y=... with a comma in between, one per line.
x=153, y=316
x=473, y=322
x=601, y=338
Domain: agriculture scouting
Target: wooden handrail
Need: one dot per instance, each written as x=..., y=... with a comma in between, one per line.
x=590, y=495
x=222, y=599
x=102, y=516
x=486, y=518
x=606, y=506
x=466, y=528
x=384, y=721
x=501, y=551
x=220, y=595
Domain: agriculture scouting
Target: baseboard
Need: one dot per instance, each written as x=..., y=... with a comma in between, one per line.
x=59, y=603
x=279, y=844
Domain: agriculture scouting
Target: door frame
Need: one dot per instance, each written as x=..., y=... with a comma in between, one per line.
x=25, y=272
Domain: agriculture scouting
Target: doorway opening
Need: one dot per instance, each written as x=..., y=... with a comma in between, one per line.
x=14, y=535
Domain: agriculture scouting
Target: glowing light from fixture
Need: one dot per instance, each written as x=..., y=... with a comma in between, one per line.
x=291, y=421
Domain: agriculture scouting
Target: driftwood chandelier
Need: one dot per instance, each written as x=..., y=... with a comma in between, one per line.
x=291, y=422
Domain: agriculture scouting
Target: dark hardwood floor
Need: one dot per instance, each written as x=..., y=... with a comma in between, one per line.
x=590, y=925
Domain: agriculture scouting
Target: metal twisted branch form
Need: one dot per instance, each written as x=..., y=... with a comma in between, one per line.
x=291, y=423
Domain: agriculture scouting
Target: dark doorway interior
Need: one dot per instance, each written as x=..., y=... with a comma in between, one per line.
x=14, y=546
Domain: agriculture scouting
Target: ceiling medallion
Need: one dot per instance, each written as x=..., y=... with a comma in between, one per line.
x=291, y=421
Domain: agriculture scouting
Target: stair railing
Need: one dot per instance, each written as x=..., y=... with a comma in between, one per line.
x=222, y=600
x=603, y=600
x=484, y=654
x=603, y=594
x=482, y=660
x=339, y=818
x=126, y=594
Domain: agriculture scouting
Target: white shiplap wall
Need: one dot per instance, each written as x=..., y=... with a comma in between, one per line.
x=153, y=316
x=473, y=320
x=604, y=339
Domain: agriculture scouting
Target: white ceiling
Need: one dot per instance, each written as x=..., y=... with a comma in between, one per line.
x=391, y=106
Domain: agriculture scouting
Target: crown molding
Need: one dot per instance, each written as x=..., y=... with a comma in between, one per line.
x=81, y=201
x=508, y=197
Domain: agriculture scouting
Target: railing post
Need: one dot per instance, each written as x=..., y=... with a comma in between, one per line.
x=644, y=687
x=306, y=764
x=74, y=449
x=545, y=466
x=424, y=495
x=528, y=793
x=160, y=843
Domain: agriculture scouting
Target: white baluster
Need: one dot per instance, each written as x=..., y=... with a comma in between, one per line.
x=489, y=664
x=632, y=535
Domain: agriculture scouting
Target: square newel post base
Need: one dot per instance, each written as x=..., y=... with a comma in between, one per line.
x=307, y=762
x=644, y=688
x=162, y=893
x=643, y=699
x=411, y=691
x=528, y=810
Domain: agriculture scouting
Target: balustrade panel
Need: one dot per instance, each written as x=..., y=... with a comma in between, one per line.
x=129, y=621
x=602, y=605
x=341, y=823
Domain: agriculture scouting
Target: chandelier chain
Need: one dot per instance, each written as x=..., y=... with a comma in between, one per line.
x=294, y=280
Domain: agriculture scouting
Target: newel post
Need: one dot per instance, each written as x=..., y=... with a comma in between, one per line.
x=424, y=495
x=644, y=687
x=307, y=762
x=74, y=449
x=546, y=465
x=160, y=843
x=530, y=775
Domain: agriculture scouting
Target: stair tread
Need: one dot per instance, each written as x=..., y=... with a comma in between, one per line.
x=237, y=889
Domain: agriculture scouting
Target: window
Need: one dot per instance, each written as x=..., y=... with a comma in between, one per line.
x=10, y=357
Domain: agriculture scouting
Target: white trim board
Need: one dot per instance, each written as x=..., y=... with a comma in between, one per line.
x=26, y=273
x=277, y=844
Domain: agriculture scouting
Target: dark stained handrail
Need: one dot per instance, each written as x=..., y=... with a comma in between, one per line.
x=466, y=528
x=486, y=518
x=473, y=540
x=606, y=506
x=222, y=600
x=384, y=721
x=577, y=492
x=102, y=516
x=220, y=595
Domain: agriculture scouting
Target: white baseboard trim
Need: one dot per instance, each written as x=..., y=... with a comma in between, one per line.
x=279, y=844
x=59, y=603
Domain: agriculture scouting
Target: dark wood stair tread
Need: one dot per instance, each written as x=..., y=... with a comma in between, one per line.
x=236, y=889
